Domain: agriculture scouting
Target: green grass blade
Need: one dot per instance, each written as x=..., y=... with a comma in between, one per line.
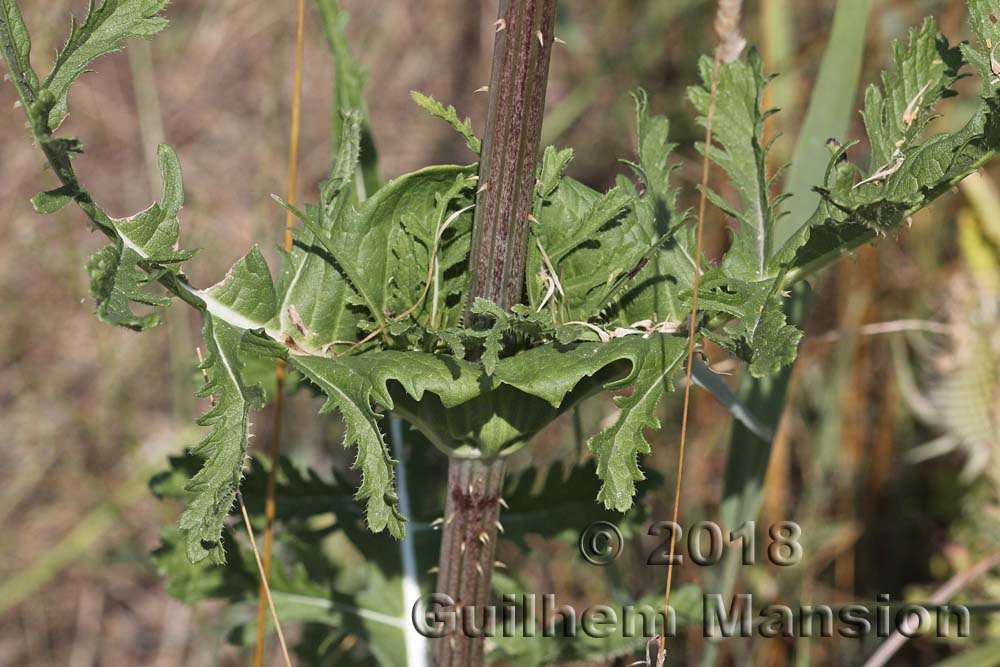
x=985, y=655
x=749, y=456
x=830, y=108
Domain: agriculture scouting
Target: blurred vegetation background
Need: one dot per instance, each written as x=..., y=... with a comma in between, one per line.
x=887, y=455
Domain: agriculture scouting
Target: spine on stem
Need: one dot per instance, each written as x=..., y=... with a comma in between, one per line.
x=521, y=52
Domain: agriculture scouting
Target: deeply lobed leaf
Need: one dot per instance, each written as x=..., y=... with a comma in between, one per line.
x=760, y=333
x=314, y=310
x=740, y=149
x=748, y=284
x=897, y=113
x=618, y=448
x=854, y=212
x=224, y=449
x=622, y=231
x=353, y=384
x=450, y=116
x=103, y=31
x=655, y=290
x=15, y=43
x=146, y=246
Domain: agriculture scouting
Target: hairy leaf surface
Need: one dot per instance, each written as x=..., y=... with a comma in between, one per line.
x=450, y=116
x=654, y=292
x=353, y=384
x=103, y=31
x=748, y=283
x=919, y=171
x=589, y=263
x=760, y=333
x=359, y=239
x=739, y=148
x=348, y=95
x=15, y=43
x=224, y=449
x=430, y=256
x=618, y=447
x=314, y=307
x=146, y=246
x=896, y=113
x=245, y=297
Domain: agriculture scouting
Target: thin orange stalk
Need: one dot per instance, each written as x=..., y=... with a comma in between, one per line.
x=692, y=339
x=275, y=448
x=263, y=581
x=731, y=43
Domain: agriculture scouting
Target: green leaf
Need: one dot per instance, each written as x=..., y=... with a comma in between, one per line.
x=348, y=96
x=450, y=116
x=654, y=149
x=552, y=371
x=564, y=374
x=103, y=31
x=145, y=249
x=439, y=232
x=748, y=283
x=761, y=335
x=359, y=239
x=654, y=291
x=115, y=282
x=590, y=230
x=618, y=447
x=566, y=490
x=153, y=233
x=303, y=494
x=553, y=167
x=52, y=201
x=245, y=297
x=739, y=148
x=224, y=449
x=602, y=211
x=344, y=580
x=353, y=384
x=192, y=582
x=314, y=308
x=985, y=20
x=15, y=44
x=831, y=108
x=519, y=321
x=851, y=214
x=897, y=113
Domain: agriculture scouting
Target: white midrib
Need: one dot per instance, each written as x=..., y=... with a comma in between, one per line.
x=652, y=387
x=224, y=359
x=214, y=306
x=321, y=603
x=283, y=310
x=228, y=315
x=362, y=194
x=416, y=644
x=761, y=238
